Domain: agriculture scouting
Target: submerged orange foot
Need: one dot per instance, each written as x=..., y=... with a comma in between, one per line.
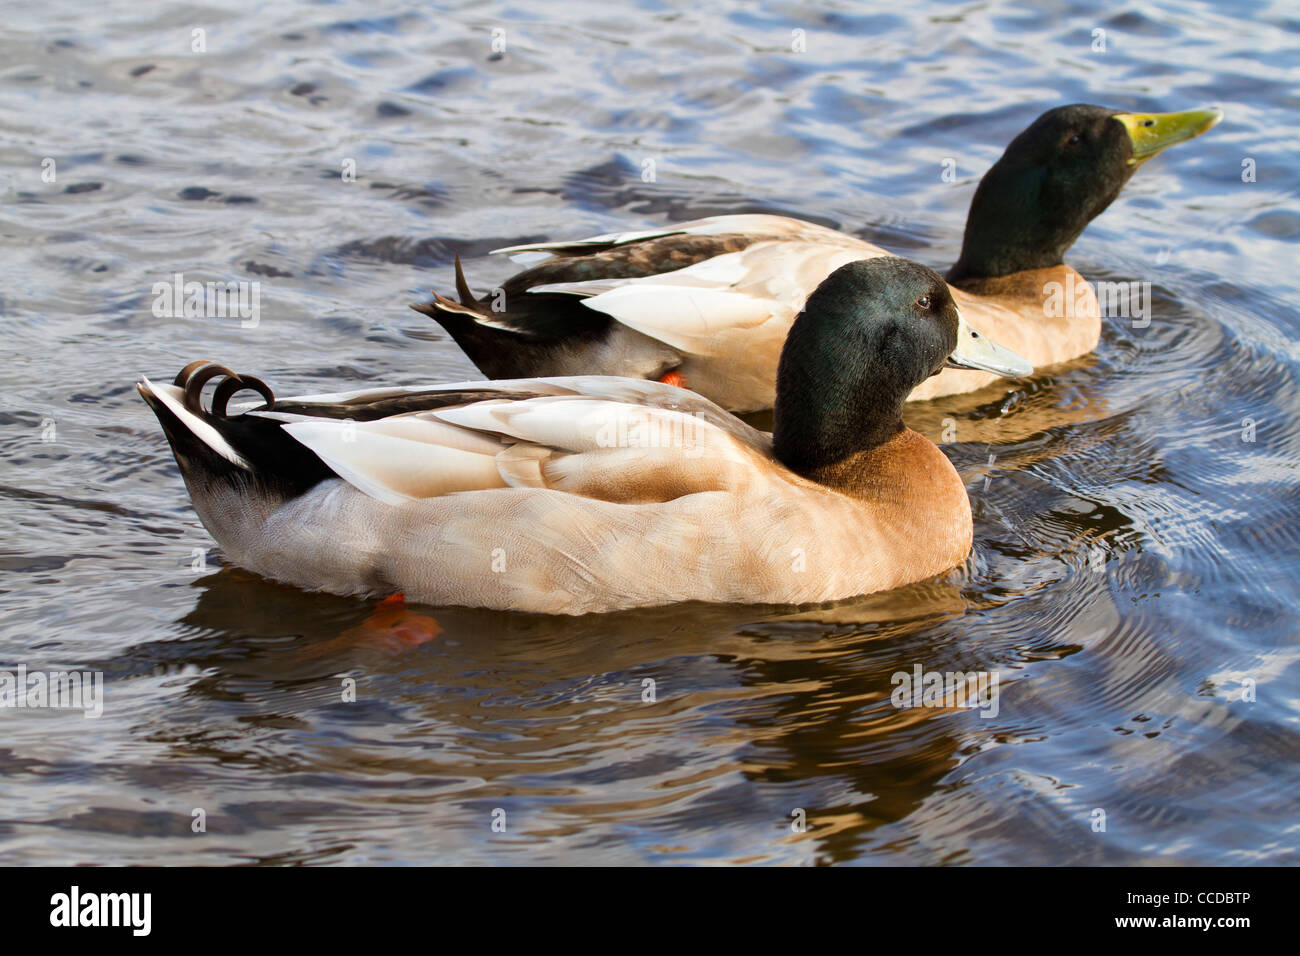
x=391, y=628
x=673, y=378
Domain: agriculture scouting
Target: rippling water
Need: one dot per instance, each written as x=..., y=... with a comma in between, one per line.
x=1137, y=562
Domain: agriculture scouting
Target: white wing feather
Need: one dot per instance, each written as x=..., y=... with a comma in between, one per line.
x=695, y=308
x=585, y=442
x=395, y=470
x=747, y=224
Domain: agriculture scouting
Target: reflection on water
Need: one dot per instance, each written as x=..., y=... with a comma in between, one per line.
x=1134, y=581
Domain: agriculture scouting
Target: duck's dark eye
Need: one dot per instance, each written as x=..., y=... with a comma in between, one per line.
x=1148, y=122
x=924, y=302
x=1073, y=140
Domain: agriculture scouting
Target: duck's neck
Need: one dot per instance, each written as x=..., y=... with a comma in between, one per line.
x=1031, y=284
x=871, y=456
x=812, y=438
x=984, y=259
x=907, y=472
x=1020, y=219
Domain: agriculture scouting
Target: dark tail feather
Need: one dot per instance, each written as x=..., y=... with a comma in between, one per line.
x=443, y=311
x=211, y=445
x=451, y=315
x=524, y=342
x=462, y=287
x=486, y=346
x=497, y=352
x=192, y=454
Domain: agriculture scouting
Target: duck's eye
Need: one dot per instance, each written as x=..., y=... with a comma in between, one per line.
x=1148, y=122
x=924, y=302
x=1073, y=140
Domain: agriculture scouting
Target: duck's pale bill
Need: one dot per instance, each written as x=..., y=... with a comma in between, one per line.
x=974, y=351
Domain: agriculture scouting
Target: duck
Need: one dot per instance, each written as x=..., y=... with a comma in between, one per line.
x=588, y=494
x=707, y=304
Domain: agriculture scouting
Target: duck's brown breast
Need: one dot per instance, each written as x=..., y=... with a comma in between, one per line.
x=910, y=488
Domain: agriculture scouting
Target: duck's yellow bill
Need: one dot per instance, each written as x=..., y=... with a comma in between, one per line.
x=974, y=351
x=1151, y=133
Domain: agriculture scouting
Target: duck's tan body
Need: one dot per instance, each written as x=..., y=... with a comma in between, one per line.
x=600, y=495
x=727, y=317
x=767, y=536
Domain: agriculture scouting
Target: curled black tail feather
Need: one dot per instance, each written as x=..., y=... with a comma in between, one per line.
x=194, y=376
x=278, y=464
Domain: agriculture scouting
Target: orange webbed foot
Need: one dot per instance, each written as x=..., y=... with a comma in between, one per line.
x=391, y=628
